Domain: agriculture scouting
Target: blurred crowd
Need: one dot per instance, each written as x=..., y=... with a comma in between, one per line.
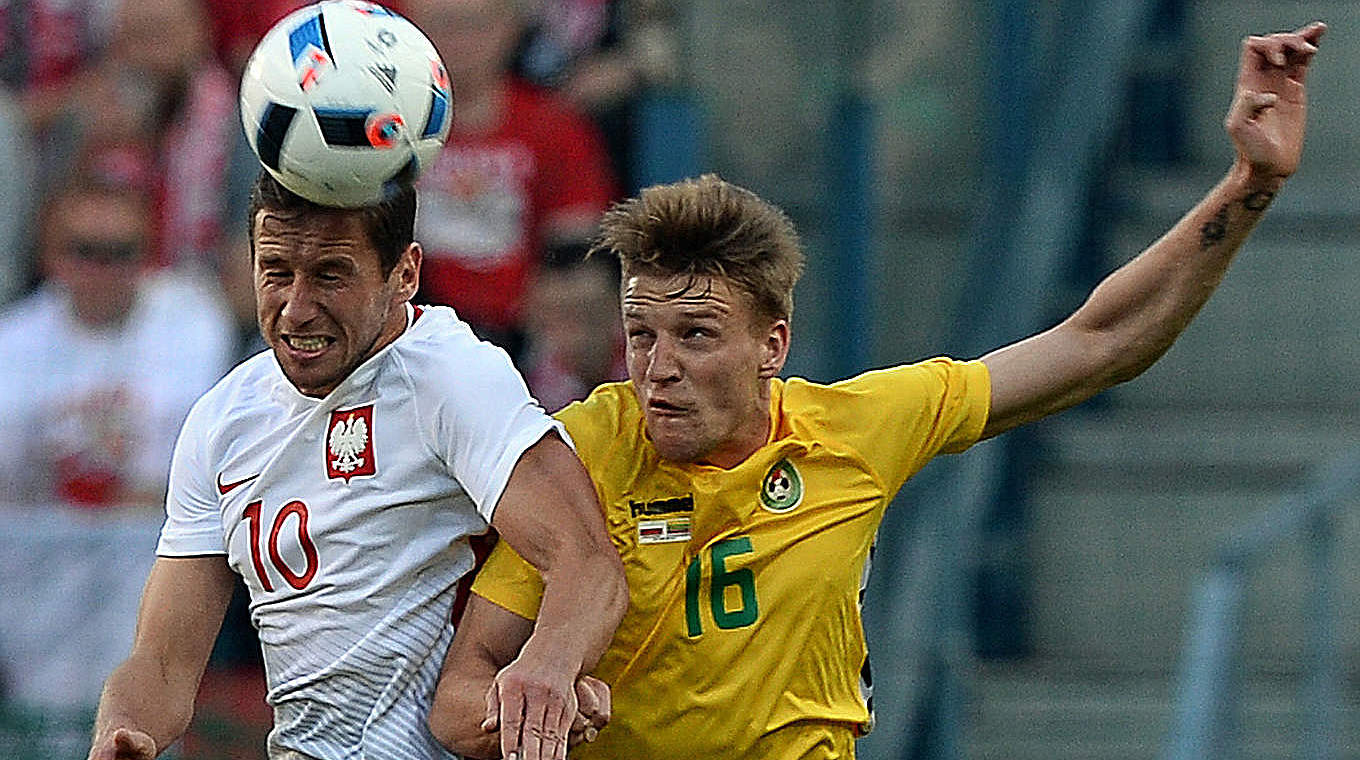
x=125, y=279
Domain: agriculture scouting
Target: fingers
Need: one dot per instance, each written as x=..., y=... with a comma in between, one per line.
x=492, y=718
x=594, y=701
x=547, y=725
x=1288, y=51
x=511, y=712
x=535, y=723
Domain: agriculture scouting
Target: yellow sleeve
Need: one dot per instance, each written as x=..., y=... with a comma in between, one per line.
x=900, y=418
x=508, y=581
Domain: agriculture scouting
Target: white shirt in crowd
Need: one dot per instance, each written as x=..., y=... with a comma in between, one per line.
x=87, y=410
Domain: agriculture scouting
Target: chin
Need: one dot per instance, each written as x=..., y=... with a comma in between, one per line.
x=677, y=450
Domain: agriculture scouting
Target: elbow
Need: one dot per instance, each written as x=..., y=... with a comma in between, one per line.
x=614, y=584
x=462, y=738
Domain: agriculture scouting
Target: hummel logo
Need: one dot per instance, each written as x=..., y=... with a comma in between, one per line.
x=226, y=488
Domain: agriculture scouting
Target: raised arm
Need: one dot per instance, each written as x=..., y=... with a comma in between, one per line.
x=149, y=699
x=1135, y=314
x=549, y=514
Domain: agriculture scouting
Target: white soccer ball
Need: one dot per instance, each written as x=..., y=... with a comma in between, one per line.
x=344, y=101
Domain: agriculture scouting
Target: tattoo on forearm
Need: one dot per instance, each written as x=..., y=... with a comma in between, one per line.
x=1258, y=200
x=1215, y=229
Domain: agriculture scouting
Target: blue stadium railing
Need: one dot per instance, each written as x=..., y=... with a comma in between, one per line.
x=1207, y=720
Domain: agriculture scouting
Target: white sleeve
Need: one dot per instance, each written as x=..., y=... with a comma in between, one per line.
x=485, y=420
x=193, y=520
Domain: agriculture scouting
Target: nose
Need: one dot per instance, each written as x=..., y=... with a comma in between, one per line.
x=299, y=304
x=663, y=364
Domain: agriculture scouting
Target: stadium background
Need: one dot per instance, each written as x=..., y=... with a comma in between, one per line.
x=963, y=171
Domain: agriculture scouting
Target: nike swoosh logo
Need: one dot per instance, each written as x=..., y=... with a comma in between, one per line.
x=226, y=488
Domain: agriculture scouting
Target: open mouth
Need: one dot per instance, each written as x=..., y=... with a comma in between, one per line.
x=665, y=408
x=307, y=344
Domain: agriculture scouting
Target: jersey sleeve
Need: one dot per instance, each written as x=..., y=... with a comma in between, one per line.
x=193, y=520
x=900, y=418
x=509, y=581
x=485, y=419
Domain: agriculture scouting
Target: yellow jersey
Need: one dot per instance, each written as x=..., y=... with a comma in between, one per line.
x=742, y=637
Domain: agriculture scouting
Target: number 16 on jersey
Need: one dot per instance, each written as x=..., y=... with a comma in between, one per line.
x=715, y=575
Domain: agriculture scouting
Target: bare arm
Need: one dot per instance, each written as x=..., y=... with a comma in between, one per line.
x=549, y=514
x=1135, y=314
x=489, y=637
x=149, y=699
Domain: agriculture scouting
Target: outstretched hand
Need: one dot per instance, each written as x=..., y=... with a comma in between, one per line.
x=1266, y=120
x=124, y=744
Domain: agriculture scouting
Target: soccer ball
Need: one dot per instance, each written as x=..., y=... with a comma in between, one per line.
x=344, y=101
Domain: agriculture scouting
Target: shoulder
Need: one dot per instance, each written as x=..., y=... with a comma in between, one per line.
x=923, y=383
x=248, y=386
x=442, y=357
x=28, y=320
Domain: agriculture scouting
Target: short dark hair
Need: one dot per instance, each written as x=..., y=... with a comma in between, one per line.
x=708, y=227
x=390, y=223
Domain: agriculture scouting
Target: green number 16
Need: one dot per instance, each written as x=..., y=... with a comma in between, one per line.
x=742, y=578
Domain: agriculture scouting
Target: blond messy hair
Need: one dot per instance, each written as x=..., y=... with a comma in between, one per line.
x=708, y=227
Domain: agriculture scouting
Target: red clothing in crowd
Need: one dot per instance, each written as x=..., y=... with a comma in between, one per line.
x=486, y=199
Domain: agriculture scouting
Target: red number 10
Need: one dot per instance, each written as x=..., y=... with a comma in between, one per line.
x=298, y=582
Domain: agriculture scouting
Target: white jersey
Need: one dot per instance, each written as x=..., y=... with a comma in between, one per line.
x=347, y=518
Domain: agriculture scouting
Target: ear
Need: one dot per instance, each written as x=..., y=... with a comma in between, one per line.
x=406, y=274
x=775, y=349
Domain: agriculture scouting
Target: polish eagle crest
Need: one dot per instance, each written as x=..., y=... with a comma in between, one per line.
x=349, y=441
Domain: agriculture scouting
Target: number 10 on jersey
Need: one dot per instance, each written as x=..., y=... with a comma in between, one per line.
x=719, y=579
x=298, y=509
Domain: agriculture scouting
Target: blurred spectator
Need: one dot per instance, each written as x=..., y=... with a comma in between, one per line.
x=237, y=26
x=523, y=173
x=157, y=111
x=575, y=330
x=602, y=56
x=43, y=43
x=99, y=367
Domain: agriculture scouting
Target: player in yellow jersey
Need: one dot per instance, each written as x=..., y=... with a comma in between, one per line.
x=744, y=506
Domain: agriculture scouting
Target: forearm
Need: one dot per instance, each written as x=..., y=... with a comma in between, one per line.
x=1138, y=311
x=584, y=598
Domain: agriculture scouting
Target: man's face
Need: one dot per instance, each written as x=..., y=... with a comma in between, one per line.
x=323, y=304
x=96, y=249
x=700, y=361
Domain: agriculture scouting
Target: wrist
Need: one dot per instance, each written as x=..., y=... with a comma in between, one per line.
x=553, y=652
x=1251, y=178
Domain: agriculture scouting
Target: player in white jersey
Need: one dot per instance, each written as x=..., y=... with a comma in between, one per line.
x=339, y=473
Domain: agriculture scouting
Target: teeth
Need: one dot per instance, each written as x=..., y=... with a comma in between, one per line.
x=306, y=344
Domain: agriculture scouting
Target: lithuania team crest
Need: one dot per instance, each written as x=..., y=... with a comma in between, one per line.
x=782, y=489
